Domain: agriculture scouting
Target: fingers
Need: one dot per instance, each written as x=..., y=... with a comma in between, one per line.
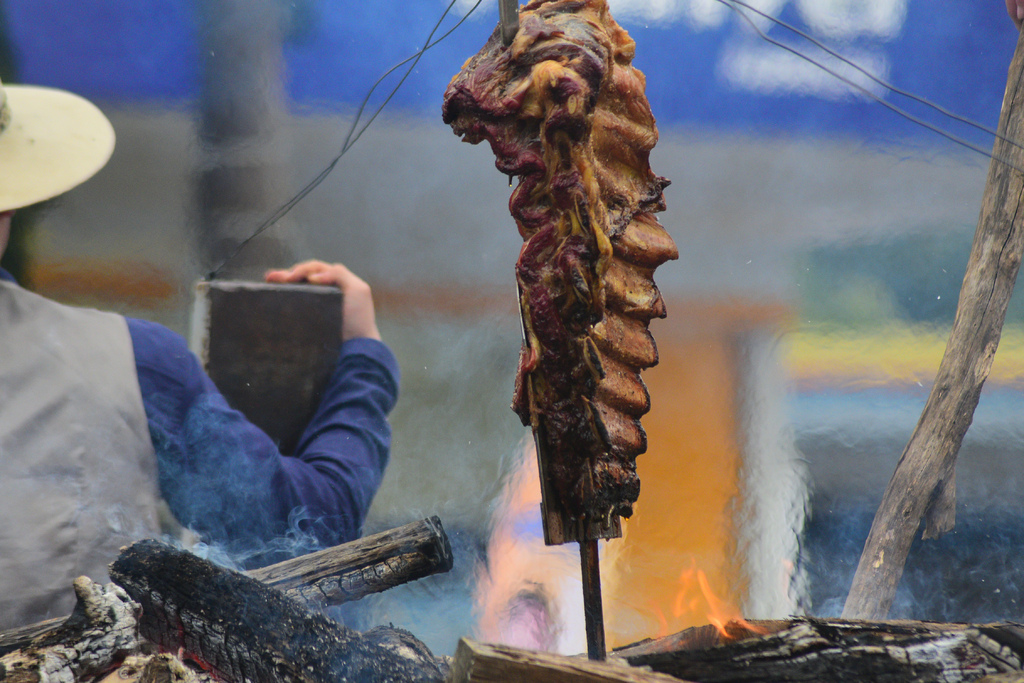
x=300, y=272
x=358, y=316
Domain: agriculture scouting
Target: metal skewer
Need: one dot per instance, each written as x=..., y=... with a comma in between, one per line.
x=508, y=11
x=593, y=610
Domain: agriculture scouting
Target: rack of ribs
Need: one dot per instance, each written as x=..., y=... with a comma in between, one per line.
x=564, y=111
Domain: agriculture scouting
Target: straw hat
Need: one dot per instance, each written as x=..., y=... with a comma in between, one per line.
x=50, y=141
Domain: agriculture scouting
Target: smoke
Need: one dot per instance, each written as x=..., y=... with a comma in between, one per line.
x=852, y=441
x=528, y=594
x=774, y=490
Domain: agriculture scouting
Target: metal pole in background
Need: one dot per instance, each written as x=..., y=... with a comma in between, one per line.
x=241, y=175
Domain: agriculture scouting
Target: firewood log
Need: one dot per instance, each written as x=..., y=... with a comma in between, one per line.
x=332, y=576
x=808, y=649
x=101, y=629
x=484, y=663
x=246, y=632
x=368, y=565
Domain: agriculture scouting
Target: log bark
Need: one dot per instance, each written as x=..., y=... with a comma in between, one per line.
x=483, y=663
x=332, y=576
x=923, y=485
x=17, y=638
x=247, y=632
x=806, y=650
x=368, y=565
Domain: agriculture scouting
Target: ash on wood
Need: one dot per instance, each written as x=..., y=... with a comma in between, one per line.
x=101, y=630
x=802, y=650
x=269, y=348
x=247, y=632
x=368, y=565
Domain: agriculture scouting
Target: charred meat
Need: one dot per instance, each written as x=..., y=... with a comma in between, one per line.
x=564, y=111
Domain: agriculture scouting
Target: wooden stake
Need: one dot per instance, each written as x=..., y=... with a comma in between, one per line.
x=923, y=485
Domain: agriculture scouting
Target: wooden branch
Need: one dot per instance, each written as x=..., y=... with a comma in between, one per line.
x=483, y=663
x=923, y=485
x=332, y=576
x=247, y=632
x=367, y=565
x=17, y=638
x=805, y=649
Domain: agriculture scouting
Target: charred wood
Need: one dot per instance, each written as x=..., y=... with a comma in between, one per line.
x=101, y=631
x=246, y=632
x=17, y=638
x=156, y=668
x=807, y=649
x=332, y=576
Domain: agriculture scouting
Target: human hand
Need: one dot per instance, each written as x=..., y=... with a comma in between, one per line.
x=357, y=315
x=1016, y=10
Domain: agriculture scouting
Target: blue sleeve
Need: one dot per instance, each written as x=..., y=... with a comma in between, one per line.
x=226, y=479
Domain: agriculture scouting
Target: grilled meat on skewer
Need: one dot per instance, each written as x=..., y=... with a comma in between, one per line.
x=565, y=112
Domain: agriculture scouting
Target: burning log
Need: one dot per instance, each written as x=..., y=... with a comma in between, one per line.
x=332, y=576
x=808, y=649
x=479, y=662
x=246, y=632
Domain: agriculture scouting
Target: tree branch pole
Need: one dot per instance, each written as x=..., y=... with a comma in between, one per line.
x=924, y=484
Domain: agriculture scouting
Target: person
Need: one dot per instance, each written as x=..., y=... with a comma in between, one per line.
x=1016, y=10
x=107, y=420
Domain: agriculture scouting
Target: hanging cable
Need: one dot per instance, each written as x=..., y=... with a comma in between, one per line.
x=733, y=4
x=885, y=84
x=352, y=136
x=355, y=131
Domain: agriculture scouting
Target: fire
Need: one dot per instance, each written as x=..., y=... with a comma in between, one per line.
x=521, y=595
x=695, y=595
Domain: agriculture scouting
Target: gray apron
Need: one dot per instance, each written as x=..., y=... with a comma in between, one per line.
x=77, y=468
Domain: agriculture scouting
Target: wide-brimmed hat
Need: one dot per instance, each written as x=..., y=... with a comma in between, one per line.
x=50, y=141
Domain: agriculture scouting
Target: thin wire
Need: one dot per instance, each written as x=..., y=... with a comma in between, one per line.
x=885, y=84
x=732, y=4
x=351, y=137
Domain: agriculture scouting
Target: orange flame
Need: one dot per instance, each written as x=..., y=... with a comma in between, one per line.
x=695, y=590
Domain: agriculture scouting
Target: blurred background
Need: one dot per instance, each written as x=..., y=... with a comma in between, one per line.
x=822, y=237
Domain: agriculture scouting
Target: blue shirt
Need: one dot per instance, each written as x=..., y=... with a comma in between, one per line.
x=226, y=479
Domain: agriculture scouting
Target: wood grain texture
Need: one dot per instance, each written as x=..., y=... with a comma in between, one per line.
x=331, y=576
x=247, y=632
x=485, y=663
x=367, y=565
x=923, y=486
x=806, y=650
